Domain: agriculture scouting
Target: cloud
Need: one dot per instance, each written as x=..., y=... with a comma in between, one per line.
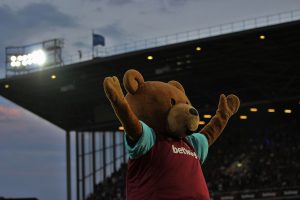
x=114, y=33
x=9, y=113
x=81, y=44
x=33, y=18
x=114, y=2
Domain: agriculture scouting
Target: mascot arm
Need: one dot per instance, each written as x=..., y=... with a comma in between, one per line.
x=122, y=109
x=227, y=107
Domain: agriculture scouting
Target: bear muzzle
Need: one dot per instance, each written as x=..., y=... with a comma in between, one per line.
x=182, y=120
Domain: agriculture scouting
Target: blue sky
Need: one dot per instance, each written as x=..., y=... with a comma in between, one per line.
x=32, y=150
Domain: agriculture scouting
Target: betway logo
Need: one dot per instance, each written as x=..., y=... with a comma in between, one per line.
x=182, y=150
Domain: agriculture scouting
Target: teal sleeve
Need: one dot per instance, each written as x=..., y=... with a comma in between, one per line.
x=200, y=144
x=143, y=145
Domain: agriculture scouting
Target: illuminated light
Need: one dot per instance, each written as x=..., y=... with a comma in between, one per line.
x=271, y=110
x=29, y=59
x=207, y=116
x=201, y=122
x=262, y=37
x=13, y=58
x=6, y=86
x=239, y=164
x=150, y=57
x=287, y=111
x=20, y=58
x=253, y=109
x=24, y=62
x=53, y=76
x=243, y=117
x=121, y=128
x=38, y=57
x=25, y=58
x=18, y=64
x=198, y=49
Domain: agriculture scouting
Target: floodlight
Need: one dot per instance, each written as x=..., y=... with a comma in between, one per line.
x=13, y=58
x=53, y=76
x=18, y=64
x=24, y=62
x=30, y=57
x=39, y=57
x=198, y=49
x=20, y=58
x=6, y=86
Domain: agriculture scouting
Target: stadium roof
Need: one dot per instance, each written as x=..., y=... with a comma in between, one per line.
x=257, y=69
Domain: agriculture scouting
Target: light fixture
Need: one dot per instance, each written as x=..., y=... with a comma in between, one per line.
x=287, y=111
x=206, y=116
x=6, y=86
x=243, y=117
x=198, y=48
x=37, y=57
x=53, y=76
x=271, y=110
x=262, y=37
x=121, y=128
x=13, y=58
x=201, y=122
x=253, y=109
x=150, y=57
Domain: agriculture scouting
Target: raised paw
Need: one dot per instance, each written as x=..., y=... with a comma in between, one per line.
x=113, y=89
x=233, y=103
x=229, y=105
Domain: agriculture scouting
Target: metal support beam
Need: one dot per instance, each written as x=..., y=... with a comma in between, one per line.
x=77, y=166
x=114, y=152
x=124, y=151
x=94, y=161
x=82, y=166
x=68, y=166
x=104, y=155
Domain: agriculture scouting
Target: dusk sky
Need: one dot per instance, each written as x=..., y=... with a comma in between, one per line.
x=32, y=151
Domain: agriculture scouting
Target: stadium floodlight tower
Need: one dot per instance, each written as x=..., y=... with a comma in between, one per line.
x=23, y=59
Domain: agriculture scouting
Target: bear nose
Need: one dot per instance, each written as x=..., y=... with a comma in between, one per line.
x=193, y=111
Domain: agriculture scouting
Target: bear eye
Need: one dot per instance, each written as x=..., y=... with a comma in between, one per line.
x=173, y=102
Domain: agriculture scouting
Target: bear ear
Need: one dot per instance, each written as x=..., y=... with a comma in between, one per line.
x=132, y=81
x=177, y=84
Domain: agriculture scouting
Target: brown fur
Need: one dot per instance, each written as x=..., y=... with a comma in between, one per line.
x=162, y=106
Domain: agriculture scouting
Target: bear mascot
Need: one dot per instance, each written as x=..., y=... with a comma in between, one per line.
x=165, y=151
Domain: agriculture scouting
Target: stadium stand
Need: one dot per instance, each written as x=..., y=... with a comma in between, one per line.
x=257, y=158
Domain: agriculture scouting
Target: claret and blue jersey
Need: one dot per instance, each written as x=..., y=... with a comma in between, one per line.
x=161, y=167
